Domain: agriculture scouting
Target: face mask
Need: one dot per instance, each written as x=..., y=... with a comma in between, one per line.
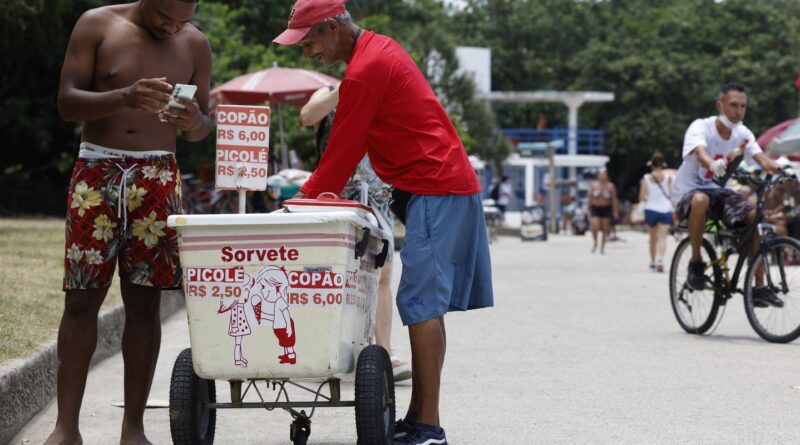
x=727, y=122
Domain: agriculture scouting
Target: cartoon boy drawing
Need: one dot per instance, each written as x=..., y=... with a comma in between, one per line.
x=272, y=305
x=238, y=326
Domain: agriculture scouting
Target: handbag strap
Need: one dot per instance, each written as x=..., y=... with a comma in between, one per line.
x=666, y=195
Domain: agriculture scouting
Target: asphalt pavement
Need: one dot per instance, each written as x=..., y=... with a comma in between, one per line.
x=580, y=348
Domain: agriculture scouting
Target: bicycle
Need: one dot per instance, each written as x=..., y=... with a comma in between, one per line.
x=697, y=310
x=202, y=199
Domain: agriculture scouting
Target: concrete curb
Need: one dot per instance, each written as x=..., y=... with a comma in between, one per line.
x=28, y=385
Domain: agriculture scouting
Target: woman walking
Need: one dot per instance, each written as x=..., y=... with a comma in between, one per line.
x=603, y=204
x=655, y=194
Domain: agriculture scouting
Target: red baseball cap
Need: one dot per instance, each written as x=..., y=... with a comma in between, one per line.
x=305, y=14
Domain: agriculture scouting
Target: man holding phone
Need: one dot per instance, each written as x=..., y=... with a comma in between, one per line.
x=118, y=73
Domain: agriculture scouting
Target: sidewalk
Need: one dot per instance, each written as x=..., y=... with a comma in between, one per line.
x=581, y=348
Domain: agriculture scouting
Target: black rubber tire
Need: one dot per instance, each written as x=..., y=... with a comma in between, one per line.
x=685, y=249
x=190, y=421
x=375, y=403
x=750, y=310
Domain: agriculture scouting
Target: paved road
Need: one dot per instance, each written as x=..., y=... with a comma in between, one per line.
x=581, y=348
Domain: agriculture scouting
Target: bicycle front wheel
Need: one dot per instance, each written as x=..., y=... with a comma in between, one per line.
x=778, y=267
x=695, y=310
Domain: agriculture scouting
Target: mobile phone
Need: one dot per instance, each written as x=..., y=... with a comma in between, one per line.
x=182, y=91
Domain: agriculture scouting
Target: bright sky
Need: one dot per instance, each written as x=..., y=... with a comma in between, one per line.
x=456, y=3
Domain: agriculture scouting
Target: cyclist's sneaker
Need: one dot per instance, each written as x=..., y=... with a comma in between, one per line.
x=697, y=276
x=653, y=267
x=660, y=266
x=763, y=297
x=423, y=435
x=403, y=428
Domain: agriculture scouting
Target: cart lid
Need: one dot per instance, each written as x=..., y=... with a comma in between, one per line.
x=326, y=202
x=276, y=218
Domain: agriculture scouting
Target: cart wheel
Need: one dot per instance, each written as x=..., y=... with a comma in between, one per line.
x=375, y=404
x=190, y=420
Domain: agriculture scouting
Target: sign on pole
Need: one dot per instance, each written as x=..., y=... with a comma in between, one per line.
x=242, y=147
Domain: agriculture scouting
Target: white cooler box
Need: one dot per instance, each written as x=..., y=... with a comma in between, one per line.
x=279, y=295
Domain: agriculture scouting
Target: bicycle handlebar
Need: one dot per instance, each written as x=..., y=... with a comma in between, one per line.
x=730, y=170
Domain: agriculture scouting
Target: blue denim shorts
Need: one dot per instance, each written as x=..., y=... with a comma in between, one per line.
x=445, y=255
x=653, y=218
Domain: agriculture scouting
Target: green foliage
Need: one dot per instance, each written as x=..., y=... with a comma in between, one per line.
x=664, y=60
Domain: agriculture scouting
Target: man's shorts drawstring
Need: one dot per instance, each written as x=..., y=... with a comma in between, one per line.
x=123, y=191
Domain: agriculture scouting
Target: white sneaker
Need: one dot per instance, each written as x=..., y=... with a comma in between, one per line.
x=400, y=369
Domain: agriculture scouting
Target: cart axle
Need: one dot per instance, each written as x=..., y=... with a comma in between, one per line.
x=281, y=405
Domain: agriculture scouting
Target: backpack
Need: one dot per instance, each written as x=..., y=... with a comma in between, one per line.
x=495, y=193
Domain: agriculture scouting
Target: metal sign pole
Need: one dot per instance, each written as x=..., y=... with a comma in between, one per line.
x=242, y=201
x=552, y=186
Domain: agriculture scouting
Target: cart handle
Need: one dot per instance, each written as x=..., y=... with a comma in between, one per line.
x=361, y=246
x=380, y=259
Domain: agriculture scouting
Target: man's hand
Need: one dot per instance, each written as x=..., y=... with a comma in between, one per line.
x=148, y=95
x=718, y=167
x=185, y=120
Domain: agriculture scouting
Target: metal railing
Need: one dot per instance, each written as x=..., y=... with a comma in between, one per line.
x=591, y=142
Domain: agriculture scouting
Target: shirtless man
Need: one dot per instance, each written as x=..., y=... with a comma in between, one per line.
x=119, y=69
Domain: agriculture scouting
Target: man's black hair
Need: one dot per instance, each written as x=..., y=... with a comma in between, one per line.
x=732, y=86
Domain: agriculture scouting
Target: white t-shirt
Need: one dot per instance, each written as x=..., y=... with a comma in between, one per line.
x=504, y=193
x=691, y=175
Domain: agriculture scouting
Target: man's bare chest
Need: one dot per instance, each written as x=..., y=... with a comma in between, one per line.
x=121, y=60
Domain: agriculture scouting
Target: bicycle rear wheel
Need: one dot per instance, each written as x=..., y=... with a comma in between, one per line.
x=781, y=260
x=695, y=310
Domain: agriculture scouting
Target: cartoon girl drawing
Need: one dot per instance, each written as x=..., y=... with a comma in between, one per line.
x=238, y=327
x=272, y=305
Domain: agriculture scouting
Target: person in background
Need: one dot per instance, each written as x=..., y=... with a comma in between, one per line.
x=709, y=145
x=568, y=206
x=501, y=194
x=655, y=194
x=320, y=112
x=603, y=205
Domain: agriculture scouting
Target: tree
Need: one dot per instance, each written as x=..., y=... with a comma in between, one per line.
x=664, y=60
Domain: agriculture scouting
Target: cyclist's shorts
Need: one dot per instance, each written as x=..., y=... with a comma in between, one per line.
x=117, y=210
x=725, y=204
x=445, y=255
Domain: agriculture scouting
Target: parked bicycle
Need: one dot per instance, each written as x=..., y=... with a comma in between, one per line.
x=776, y=264
x=200, y=198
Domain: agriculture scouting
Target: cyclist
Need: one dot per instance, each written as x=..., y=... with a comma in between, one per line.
x=709, y=145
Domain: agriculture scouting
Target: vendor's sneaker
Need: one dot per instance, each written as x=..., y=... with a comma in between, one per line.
x=423, y=435
x=697, y=275
x=763, y=297
x=402, y=428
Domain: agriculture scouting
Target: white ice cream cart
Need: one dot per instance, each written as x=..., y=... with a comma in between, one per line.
x=279, y=301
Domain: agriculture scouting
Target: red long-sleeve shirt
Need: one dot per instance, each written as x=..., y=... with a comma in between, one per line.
x=387, y=109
